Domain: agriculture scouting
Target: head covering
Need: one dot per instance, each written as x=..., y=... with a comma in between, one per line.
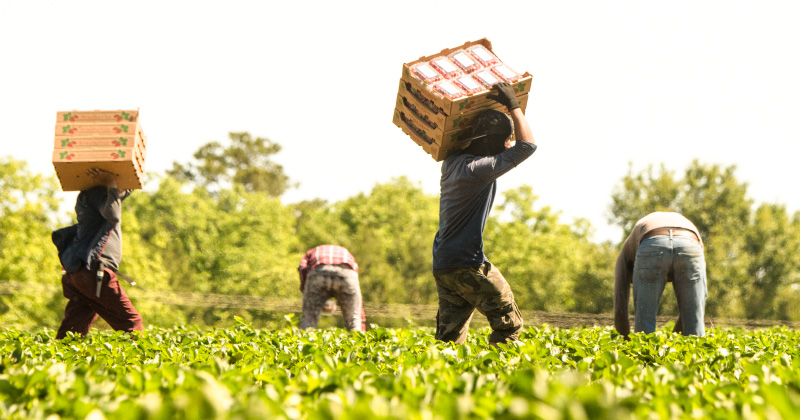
x=491, y=124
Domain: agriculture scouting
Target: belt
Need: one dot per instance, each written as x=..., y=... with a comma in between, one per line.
x=686, y=233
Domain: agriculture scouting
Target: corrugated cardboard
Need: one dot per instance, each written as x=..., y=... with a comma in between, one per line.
x=436, y=123
x=92, y=155
x=108, y=140
x=440, y=122
x=88, y=142
x=433, y=142
x=102, y=129
x=97, y=116
x=467, y=103
x=74, y=175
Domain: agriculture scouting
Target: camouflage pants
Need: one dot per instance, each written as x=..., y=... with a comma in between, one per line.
x=483, y=288
x=327, y=281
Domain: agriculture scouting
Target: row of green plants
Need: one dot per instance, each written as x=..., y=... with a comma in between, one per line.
x=246, y=373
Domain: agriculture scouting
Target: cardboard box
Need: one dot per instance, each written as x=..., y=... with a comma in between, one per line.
x=100, y=155
x=436, y=123
x=94, y=155
x=73, y=166
x=469, y=102
x=97, y=116
x=74, y=175
x=102, y=129
x=88, y=142
x=107, y=140
x=142, y=154
x=437, y=147
x=406, y=100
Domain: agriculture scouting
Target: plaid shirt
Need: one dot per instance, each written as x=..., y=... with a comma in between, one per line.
x=325, y=254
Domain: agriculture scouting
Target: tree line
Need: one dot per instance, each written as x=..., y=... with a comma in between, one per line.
x=216, y=225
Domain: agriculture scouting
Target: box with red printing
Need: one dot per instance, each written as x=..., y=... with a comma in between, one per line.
x=469, y=102
x=109, y=140
x=97, y=116
x=73, y=167
x=436, y=122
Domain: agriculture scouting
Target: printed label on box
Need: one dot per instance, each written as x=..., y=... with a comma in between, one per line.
x=97, y=116
x=90, y=129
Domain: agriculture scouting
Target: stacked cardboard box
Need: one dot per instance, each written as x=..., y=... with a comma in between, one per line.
x=109, y=140
x=435, y=122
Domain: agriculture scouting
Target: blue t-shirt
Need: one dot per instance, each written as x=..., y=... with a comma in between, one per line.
x=468, y=187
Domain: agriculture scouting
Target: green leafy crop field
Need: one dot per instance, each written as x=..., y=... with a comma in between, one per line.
x=245, y=373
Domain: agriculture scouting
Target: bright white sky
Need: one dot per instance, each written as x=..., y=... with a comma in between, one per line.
x=613, y=82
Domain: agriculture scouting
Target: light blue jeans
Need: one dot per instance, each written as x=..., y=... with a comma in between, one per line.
x=663, y=258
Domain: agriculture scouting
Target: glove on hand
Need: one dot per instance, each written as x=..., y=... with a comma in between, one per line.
x=505, y=95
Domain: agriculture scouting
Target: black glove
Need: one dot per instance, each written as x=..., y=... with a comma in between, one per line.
x=505, y=95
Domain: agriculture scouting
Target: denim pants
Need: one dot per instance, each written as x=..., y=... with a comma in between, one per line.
x=663, y=258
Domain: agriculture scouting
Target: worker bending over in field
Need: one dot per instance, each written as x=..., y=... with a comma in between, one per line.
x=331, y=271
x=662, y=247
x=90, y=253
x=465, y=279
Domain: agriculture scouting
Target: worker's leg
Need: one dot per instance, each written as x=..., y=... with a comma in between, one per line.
x=690, y=285
x=495, y=300
x=455, y=312
x=113, y=304
x=79, y=314
x=115, y=307
x=348, y=293
x=317, y=290
x=650, y=271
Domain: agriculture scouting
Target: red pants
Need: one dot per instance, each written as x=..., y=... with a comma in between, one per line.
x=84, y=306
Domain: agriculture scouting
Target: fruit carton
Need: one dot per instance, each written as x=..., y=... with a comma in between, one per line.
x=96, y=128
x=466, y=103
x=97, y=116
x=418, y=135
x=104, y=142
x=409, y=101
x=74, y=165
x=438, y=143
x=107, y=141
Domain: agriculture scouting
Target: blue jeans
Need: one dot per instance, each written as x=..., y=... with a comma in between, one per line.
x=659, y=259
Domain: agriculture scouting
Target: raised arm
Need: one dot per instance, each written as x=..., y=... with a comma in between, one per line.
x=111, y=208
x=504, y=94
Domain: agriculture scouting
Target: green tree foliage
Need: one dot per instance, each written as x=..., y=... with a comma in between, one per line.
x=234, y=243
x=773, y=270
x=247, y=161
x=549, y=265
x=390, y=232
x=750, y=254
x=28, y=258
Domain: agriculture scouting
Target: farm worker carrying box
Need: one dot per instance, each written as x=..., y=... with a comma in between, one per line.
x=465, y=279
x=101, y=154
x=90, y=253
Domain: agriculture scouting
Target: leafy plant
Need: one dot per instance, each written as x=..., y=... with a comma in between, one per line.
x=242, y=372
